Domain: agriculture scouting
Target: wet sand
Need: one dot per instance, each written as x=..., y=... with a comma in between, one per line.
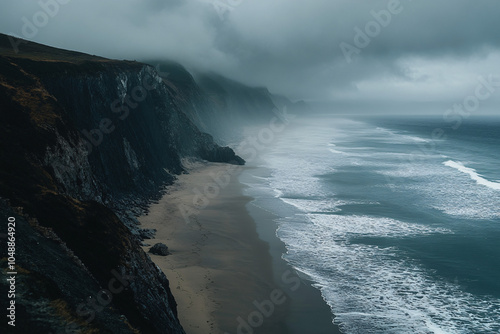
x=224, y=277
x=218, y=266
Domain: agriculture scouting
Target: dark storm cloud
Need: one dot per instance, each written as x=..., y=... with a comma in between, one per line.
x=422, y=50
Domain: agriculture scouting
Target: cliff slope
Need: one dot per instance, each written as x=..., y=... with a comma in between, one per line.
x=220, y=106
x=84, y=142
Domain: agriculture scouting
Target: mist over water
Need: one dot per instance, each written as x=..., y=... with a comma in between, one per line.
x=399, y=230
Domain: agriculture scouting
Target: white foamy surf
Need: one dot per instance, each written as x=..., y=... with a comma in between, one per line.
x=369, y=216
x=473, y=174
x=374, y=289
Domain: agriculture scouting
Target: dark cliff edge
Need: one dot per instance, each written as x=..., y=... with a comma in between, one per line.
x=85, y=143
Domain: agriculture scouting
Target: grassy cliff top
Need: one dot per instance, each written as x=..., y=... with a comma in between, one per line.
x=12, y=47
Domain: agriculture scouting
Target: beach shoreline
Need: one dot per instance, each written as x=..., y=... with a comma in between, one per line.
x=221, y=271
x=307, y=311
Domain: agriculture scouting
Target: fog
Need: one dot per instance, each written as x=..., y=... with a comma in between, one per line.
x=411, y=55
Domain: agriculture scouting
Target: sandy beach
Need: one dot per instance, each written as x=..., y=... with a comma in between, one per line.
x=219, y=269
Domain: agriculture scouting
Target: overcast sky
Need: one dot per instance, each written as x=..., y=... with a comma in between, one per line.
x=411, y=51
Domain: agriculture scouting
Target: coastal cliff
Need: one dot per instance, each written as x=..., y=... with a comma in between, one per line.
x=86, y=143
x=82, y=150
x=220, y=106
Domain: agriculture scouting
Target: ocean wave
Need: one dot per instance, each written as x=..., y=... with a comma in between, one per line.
x=317, y=205
x=373, y=289
x=336, y=151
x=403, y=136
x=473, y=174
x=355, y=226
x=373, y=280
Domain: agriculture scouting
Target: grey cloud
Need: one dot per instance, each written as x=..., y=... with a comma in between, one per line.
x=291, y=46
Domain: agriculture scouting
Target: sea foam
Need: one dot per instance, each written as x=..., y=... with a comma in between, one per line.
x=473, y=174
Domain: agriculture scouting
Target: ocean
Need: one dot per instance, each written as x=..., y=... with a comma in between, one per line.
x=396, y=220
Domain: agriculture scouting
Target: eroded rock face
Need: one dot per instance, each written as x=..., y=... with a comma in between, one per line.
x=85, y=272
x=145, y=233
x=135, y=134
x=86, y=142
x=79, y=167
x=51, y=283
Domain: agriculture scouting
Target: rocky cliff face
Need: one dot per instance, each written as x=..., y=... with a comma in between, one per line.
x=220, y=106
x=84, y=142
x=129, y=121
x=239, y=104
